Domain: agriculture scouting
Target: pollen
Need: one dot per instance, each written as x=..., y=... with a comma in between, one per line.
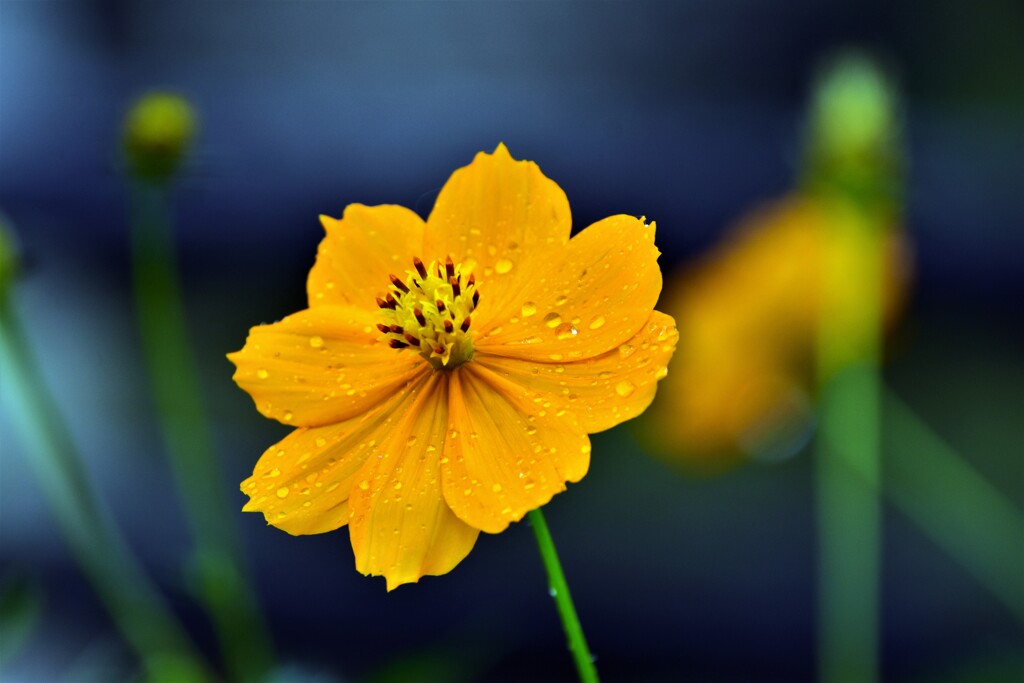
x=429, y=311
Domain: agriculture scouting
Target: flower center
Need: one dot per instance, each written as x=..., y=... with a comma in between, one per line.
x=429, y=311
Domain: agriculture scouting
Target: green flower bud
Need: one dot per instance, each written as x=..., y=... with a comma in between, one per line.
x=157, y=132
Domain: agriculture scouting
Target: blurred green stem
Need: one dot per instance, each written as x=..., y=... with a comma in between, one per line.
x=959, y=509
x=848, y=460
x=137, y=607
x=559, y=590
x=224, y=589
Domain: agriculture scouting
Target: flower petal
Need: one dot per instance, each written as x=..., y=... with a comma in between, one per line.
x=359, y=252
x=302, y=483
x=598, y=297
x=321, y=365
x=500, y=217
x=400, y=525
x=607, y=389
x=508, y=450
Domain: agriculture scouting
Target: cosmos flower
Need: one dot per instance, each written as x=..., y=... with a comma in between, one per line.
x=446, y=374
x=743, y=378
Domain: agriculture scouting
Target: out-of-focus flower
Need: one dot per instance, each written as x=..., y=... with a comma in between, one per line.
x=438, y=398
x=157, y=132
x=749, y=312
x=742, y=379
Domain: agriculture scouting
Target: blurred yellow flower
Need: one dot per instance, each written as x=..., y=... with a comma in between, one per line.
x=438, y=398
x=748, y=314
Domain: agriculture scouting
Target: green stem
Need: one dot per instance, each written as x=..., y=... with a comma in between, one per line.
x=559, y=590
x=136, y=606
x=962, y=512
x=848, y=463
x=224, y=590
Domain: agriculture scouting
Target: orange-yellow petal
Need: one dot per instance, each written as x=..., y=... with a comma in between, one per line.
x=360, y=250
x=596, y=298
x=508, y=449
x=400, y=525
x=501, y=218
x=321, y=365
x=302, y=483
x=604, y=390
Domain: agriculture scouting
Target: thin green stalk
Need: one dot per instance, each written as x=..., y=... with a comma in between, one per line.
x=962, y=512
x=559, y=590
x=224, y=589
x=848, y=454
x=136, y=606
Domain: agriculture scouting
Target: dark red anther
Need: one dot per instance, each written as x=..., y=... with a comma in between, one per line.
x=456, y=288
x=390, y=303
x=413, y=341
x=383, y=328
x=440, y=306
x=397, y=329
x=449, y=327
x=398, y=283
x=439, y=350
x=397, y=344
x=449, y=267
x=391, y=300
x=419, y=316
x=476, y=298
x=472, y=279
x=465, y=324
x=420, y=268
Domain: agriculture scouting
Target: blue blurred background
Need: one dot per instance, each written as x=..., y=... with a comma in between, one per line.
x=687, y=112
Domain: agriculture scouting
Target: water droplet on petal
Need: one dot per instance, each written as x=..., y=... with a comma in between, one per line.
x=282, y=492
x=529, y=308
x=364, y=485
x=552, y=320
x=496, y=488
x=596, y=322
x=502, y=266
x=625, y=388
x=316, y=342
x=566, y=331
x=262, y=373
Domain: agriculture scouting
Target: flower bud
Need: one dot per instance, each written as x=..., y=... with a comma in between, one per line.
x=157, y=132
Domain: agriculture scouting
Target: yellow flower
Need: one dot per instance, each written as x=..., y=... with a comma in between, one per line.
x=446, y=374
x=748, y=314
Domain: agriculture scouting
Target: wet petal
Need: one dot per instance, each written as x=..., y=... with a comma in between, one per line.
x=604, y=390
x=507, y=452
x=302, y=483
x=501, y=217
x=400, y=525
x=360, y=250
x=598, y=297
x=321, y=365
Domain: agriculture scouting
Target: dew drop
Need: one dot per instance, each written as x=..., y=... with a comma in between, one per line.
x=398, y=486
x=316, y=342
x=597, y=322
x=662, y=373
x=288, y=416
x=529, y=308
x=364, y=485
x=560, y=301
x=496, y=488
x=555, y=356
x=282, y=492
x=625, y=388
x=566, y=331
x=262, y=374
x=552, y=320
x=321, y=442
x=502, y=266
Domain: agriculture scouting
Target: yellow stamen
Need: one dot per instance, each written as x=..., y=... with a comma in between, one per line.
x=429, y=311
